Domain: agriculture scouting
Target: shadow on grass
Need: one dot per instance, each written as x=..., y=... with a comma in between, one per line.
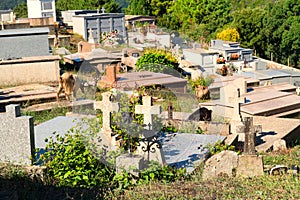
x=25, y=188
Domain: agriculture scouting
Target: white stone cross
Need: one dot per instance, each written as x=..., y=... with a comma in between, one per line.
x=148, y=110
x=103, y=10
x=106, y=106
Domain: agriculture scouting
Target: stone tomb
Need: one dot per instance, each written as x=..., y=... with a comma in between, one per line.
x=185, y=150
x=17, y=136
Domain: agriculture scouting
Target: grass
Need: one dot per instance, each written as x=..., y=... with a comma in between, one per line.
x=43, y=116
x=12, y=179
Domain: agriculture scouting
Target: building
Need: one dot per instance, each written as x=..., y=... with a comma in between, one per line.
x=93, y=26
x=25, y=57
x=199, y=56
x=17, y=43
x=67, y=15
x=231, y=51
x=41, y=9
x=7, y=16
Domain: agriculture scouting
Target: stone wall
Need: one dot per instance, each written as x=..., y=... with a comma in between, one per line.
x=40, y=69
x=17, y=136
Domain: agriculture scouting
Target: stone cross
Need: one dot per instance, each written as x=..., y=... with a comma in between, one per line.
x=91, y=38
x=103, y=10
x=250, y=133
x=148, y=110
x=106, y=106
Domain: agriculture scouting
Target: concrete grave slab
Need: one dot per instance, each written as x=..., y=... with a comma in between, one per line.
x=186, y=150
x=58, y=124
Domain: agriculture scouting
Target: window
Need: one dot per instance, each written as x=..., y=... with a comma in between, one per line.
x=46, y=5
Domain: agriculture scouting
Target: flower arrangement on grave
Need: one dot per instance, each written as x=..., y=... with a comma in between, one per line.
x=234, y=56
x=220, y=60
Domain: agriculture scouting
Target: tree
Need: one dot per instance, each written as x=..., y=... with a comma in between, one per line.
x=21, y=10
x=109, y=5
x=139, y=7
x=156, y=60
x=229, y=34
x=249, y=23
x=282, y=32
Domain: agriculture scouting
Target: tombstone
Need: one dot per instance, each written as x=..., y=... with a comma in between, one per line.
x=170, y=111
x=130, y=163
x=250, y=134
x=250, y=164
x=17, y=136
x=219, y=164
x=149, y=146
x=107, y=107
x=148, y=111
x=91, y=37
x=298, y=91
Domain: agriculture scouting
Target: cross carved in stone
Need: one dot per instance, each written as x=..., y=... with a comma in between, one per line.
x=107, y=107
x=250, y=131
x=148, y=111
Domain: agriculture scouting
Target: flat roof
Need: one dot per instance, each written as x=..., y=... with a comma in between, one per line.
x=200, y=51
x=24, y=31
x=146, y=78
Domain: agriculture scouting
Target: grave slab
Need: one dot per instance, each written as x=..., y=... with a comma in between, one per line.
x=60, y=124
x=187, y=150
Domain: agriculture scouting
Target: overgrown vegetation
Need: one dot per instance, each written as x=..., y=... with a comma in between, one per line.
x=45, y=115
x=192, y=187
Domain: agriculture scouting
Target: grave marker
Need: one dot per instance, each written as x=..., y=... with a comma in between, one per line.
x=149, y=147
x=250, y=133
x=148, y=111
x=17, y=136
x=107, y=107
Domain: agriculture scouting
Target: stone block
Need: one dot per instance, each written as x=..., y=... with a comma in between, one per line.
x=279, y=145
x=250, y=166
x=131, y=163
x=222, y=163
x=17, y=136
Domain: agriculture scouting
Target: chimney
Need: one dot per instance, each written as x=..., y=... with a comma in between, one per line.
x=111, y=74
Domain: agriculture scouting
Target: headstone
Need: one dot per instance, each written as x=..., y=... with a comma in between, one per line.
x=250, y=134
x=107, y=107
x=219, y=164
x=149, y=146
x=279, y=145
x=17, y=136
x=170, y=111
x=130, y=163
x=250, y=165
x=298, y=91
x=148, y=111
x=91, y=37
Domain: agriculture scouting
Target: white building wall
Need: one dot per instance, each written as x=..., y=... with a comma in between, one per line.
x=78, y=26
x=41, y=8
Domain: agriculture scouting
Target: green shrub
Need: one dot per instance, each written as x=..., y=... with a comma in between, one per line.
x=218, y=147
x=70, y=162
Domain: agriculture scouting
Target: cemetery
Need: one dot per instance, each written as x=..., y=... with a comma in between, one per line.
x=129, y=133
